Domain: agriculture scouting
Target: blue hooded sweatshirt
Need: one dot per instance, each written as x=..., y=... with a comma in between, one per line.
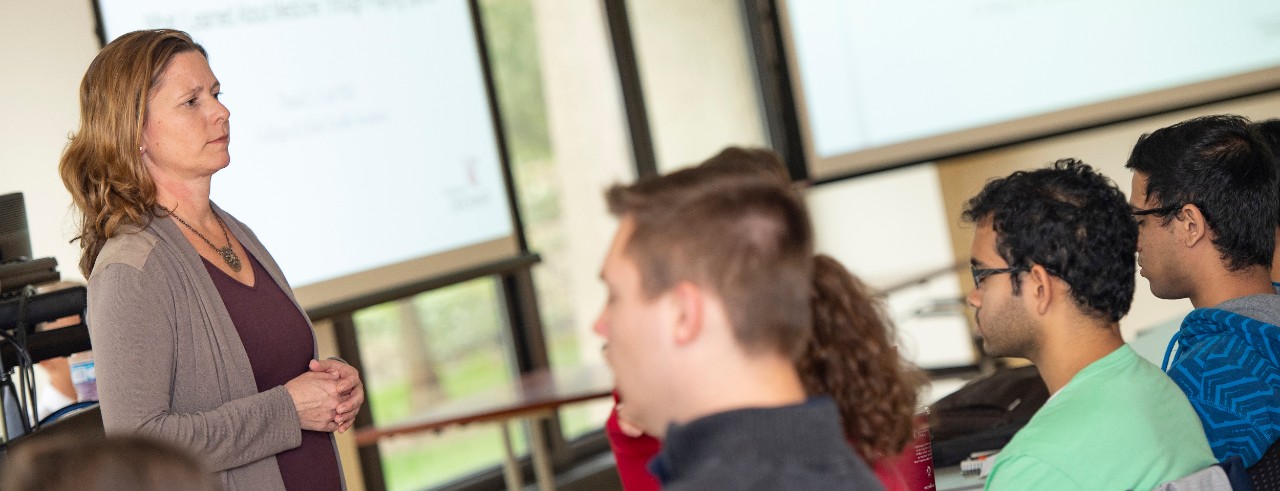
x=1228, y=364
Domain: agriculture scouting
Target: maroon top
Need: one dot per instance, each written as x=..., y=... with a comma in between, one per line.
x=279, y=343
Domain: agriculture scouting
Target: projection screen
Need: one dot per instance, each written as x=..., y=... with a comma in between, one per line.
x=880, y=84
x=364, y=152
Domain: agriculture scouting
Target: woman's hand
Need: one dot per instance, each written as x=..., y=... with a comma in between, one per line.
x=350, y=388
x=316, y=398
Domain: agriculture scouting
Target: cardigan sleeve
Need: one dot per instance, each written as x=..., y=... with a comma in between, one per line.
x=134, y=317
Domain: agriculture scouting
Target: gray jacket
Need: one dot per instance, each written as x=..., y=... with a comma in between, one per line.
x=169, y=360
x=798, y=447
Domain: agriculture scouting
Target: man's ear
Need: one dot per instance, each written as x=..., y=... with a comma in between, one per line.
x=1040, y=289
x=1191, y=224
x=687, y=311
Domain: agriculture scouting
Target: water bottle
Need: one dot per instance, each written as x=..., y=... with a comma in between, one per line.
x=921, y=453
x=914, y=466
x=83, y=377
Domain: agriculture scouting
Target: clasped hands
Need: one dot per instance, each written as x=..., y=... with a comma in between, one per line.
x=328, y=396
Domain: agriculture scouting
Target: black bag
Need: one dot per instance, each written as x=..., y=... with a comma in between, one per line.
x=985, y=413
x=1265, y=474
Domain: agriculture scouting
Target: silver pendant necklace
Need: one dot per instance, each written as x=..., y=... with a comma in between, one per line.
x=228, y=253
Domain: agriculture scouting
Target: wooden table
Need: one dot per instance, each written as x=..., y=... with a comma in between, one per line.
x=532, y=398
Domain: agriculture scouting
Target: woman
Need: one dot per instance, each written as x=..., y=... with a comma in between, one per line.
x=197, y=337
x=851, y=358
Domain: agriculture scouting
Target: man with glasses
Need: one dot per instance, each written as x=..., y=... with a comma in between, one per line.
x=1204, y=197
x=1052, y=260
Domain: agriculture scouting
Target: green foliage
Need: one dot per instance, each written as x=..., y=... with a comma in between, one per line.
x=462, y=325
x=433, y=460
x=460, y=319
x=513, y=53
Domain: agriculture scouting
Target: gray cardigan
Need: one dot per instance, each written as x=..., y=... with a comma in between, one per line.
x=169, y=360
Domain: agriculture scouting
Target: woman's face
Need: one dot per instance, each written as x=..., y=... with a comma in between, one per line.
x=186, y=131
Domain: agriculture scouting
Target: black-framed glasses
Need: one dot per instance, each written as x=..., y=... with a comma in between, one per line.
x=980, y=274
x=1163, y=210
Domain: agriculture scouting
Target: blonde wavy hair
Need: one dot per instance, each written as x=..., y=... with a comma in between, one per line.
x=102, y=164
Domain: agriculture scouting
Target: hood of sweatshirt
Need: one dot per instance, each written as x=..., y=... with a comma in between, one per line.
x=1254, y=319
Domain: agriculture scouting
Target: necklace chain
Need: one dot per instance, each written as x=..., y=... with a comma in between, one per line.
x=228, y=253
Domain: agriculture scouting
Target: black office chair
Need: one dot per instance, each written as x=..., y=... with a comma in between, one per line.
x=68, y=411
x=1265, y=474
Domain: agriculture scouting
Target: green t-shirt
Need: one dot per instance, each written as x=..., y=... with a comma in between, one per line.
x=1119, y=424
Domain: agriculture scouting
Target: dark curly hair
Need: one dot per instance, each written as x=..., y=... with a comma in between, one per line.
x=1071, y=220
x=851, y=358
x=1223, y=167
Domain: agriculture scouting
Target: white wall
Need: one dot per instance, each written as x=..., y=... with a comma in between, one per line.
x=891, y=228
x=45, y=47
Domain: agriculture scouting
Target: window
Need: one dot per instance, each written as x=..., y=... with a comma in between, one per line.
x=427, y=350
x=562, y=115
x=698, y=78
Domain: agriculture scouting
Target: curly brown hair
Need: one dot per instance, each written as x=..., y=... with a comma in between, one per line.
x=851, y=358
x=102, y=166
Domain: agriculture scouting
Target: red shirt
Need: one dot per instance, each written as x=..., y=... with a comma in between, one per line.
x=634, y=453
